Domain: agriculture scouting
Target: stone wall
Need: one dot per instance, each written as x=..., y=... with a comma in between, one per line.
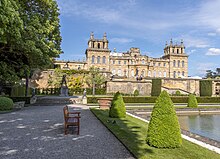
x=128, y=87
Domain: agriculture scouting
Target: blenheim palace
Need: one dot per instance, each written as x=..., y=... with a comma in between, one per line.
x=131, y=64
x=130, y=71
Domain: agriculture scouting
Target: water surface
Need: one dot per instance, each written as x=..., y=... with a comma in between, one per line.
x=204, y=125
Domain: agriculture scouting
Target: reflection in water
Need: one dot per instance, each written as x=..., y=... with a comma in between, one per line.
x=205, y=125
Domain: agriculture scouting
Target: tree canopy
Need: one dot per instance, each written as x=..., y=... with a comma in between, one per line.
x=29, y=36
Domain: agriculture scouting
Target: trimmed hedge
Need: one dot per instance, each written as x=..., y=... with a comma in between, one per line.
x=117, y=109
x=164, y=129
x=205, y=88
x=71, y=91
x=192, y=101
x=5, y=103
x=156, y=87
x=19, y=99
x=19, y=91
x=180, y=99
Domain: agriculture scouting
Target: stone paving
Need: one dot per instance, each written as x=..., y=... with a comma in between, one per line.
x=36, y=132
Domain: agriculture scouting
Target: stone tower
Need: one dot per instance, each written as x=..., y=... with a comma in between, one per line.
x=97, y=53
x=178, y=59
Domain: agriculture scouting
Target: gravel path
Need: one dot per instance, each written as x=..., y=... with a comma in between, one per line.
x=36, y=132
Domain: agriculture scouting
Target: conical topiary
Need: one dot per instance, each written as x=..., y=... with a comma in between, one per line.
x=164, y=128
x=117, y=109
x=192, y=101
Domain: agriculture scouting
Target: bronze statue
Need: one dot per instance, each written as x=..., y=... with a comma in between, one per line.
x=63, y=83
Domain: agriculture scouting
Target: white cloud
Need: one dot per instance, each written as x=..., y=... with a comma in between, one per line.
x=121, y=40
x=213, y=52
x=212, y=34
x=194, y=42
x=202, y=67
x=191, y=51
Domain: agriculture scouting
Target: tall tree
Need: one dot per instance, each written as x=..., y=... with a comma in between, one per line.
x=31, y=36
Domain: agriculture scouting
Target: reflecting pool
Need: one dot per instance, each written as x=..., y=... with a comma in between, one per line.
x=204, y=125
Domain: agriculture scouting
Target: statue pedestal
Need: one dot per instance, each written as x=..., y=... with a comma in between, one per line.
x=84, y=100
x=64, y=91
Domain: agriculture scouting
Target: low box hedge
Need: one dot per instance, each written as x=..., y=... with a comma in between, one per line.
x=177, y=99
x=19, y=99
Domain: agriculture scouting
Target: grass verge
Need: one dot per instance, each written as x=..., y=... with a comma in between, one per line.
x=132, y=133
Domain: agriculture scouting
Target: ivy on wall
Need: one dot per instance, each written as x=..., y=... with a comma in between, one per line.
x=205, y=87
x=156, y=87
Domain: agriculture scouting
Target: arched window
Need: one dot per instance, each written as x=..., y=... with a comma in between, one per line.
x=113, y=71
x=125, y=72
x=174, y=74
x=174, y=63
x=178, y=73
x=143, y=73
x=98, y=59
x=178, y=64
x=119, y=72
x=160, y=74
x=164, y=74
x=132, y=73
x=182, y=63
x=103, y=59
x=98, y=45
x=154, y=73
x=93, y=59
x=183, y=73
x=143, y=62
x=149, y=73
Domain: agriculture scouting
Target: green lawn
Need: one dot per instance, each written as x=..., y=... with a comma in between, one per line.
x=132, y=133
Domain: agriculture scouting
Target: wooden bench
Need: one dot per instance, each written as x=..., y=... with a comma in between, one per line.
x=71, y=119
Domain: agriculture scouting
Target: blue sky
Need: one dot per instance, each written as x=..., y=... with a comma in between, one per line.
x=146, y=24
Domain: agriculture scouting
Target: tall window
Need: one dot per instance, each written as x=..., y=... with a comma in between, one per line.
x=124, y=62
x=178, y=73
x=160, y=74
x=183, y=74
x=154, y=73
x=113, y=71
x=174, y=63
x=143, y=62
x=164, y=64
x=174, y=74
x=113, y=62
x=132, y=73
x=98, y=45
x=98, y=59
x=177, y=51
x=119, y=62
x=93, y=59
x=119, y=72
x=164, y=74
x=182, y=63
x=103, y=59
x=149, y=73
x=178, y=63
x=143, y=73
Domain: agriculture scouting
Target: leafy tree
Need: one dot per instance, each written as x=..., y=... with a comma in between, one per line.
x=94, y=78
x=164, y=128
x=29, y=37
x=192, y=101
x=117, y=109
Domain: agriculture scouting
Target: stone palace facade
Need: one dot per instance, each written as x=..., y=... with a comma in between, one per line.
x=131, y=64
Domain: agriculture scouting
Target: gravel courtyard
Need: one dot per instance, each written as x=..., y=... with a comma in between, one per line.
x=37, y=132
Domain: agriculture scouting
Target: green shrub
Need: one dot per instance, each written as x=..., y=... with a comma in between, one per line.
x=178, y=93
x=117, y=109
x=164, y=128
x=192, y=101
x=6, y=103
x=156, y=87
x=136, y=93
x=205, y=87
